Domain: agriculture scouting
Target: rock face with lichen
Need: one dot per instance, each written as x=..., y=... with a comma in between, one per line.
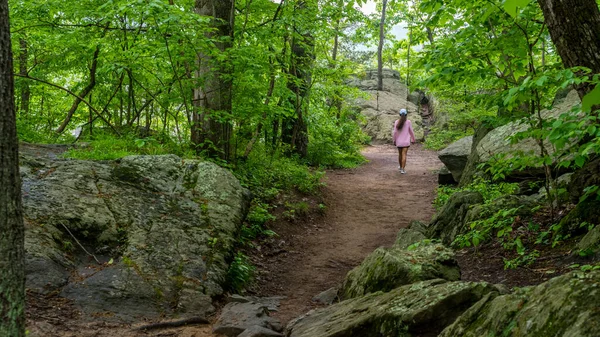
x=388, y=268
x=564, y=306
x=380, y=108
x=419, y=309
x=168, y=225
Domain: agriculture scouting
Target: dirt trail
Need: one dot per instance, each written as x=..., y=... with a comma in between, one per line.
x=365, y=208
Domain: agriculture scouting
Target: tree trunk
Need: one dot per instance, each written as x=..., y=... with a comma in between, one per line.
x=25, y=90
x=211, y=121
x=574, y=26
x=83, y=93
x=295, y=130
x=380, y=49
x=12, y=271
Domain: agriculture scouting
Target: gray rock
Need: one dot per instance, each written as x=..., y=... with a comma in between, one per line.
x=456, y=155
x=590, y=243
x=43, y=275
x=564, y=306
x=373, y=74
x=497, y=141
x=445, y=177
x=237, y=317
x=417, y=226
x=418, y=309
x=118, y=290
x=407, y=237
x=259, y=331
x=380, y=108
x=173, y=221
x=450, y=220
x=327, y=297
x=386, y=269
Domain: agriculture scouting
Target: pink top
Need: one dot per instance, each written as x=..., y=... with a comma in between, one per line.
x=403, y=137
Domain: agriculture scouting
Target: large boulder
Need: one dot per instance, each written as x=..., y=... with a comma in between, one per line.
x=450, y=220
x=167, y=224
x=456, y=155
x=388, y=268
x=564, y=306
x=419, y=309
x=497, y=141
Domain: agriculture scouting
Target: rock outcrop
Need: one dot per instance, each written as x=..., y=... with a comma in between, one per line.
x=564, y=306
x=450, y=220
x=166, y=224
x=497, y=141
x=418, y=309
x=388, y=268
x=456, y=155
x=380, y=108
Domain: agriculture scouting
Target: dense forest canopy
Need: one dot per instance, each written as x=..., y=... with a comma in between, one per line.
x=225, y=77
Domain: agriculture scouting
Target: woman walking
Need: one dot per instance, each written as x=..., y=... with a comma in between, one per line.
x=403, y=136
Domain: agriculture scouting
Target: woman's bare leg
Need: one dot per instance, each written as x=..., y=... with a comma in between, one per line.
x=400, y=157
x=403, y=153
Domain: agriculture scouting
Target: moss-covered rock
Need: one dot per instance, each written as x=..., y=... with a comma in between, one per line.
x=172, y=222
x=418, y=309
x=565, y=306
x=408, y=236
x=450, y=220
x=590, y=243
x=388, y=268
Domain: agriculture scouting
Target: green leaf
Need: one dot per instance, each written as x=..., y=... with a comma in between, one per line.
x=592, y=98
x=511, y=6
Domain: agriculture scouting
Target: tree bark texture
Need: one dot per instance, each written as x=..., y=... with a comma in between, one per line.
x=211, y=121
x=295, y=130
x=574, y=26
x=12, y=274
x=23, y=70
x=380, y=48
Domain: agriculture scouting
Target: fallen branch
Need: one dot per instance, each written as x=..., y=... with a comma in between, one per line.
x=173, y=324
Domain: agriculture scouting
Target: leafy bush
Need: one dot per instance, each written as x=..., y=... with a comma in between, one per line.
x=240, y=272
x=490, y=191
x=439, y=139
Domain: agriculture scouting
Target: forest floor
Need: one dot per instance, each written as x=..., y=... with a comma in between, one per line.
x=312, y=251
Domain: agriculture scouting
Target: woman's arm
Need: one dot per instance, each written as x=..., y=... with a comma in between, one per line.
x=394, y=132
x=411, y=132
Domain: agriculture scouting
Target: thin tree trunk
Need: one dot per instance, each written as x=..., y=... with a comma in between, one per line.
x=380, y=48
x=574, y=26
x=12, y=270
x=83, y=93
x=300, y=69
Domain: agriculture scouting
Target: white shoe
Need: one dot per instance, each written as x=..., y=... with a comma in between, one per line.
x=399, y=168
x=402, y=171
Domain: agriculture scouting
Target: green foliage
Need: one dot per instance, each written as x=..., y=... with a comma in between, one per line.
x=490, y=191
x=258, y=216
x=422, y=243
x=267, y=175
x=499, y=223
x=296, y=210
x=108, y=147
x=440, y=138
x=585, y=267
x=240, y=273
